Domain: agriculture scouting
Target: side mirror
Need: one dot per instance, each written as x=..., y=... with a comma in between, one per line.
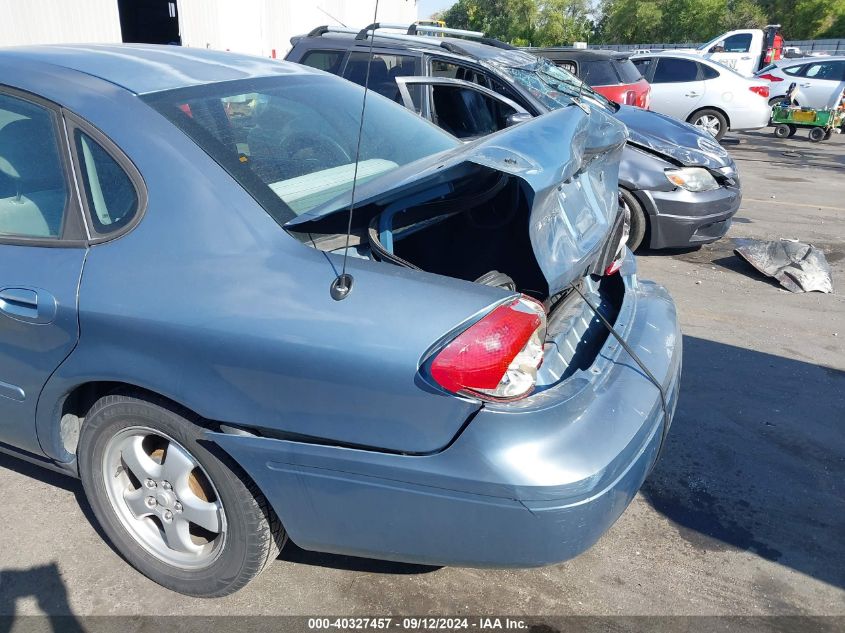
x=516, y=118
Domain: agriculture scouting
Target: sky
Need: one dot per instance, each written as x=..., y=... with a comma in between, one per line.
x=426, y=7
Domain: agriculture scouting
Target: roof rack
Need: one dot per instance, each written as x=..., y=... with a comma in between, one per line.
x=322, y=30
x=412, y=33
x=413, y=29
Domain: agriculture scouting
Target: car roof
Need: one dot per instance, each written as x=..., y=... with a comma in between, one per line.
x=806, y=60
x=474, y=50
x=145, y=68
x=670, y=53
x=578, y=53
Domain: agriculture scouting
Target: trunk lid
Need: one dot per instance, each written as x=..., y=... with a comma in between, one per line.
x=567, y=163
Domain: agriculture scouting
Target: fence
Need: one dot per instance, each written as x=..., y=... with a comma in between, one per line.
x=831, y=47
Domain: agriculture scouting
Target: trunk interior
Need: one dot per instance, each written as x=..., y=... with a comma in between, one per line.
x=478, y=240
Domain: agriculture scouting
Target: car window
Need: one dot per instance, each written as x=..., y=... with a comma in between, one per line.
x=708, y=72
x=467, y=113
x=449, y=70
x=323, y=60
x=738, y=43
x=599, y=73
x=568, y=65
x=291, y=141
x=643, y=65
x=383, y=72
x=33, y=191
x=627, y=71
x=112, y=198
x=675, y=70
x=794, y=70
x=830, y=71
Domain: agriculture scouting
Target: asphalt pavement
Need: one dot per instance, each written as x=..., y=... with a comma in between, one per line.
x=744, y=514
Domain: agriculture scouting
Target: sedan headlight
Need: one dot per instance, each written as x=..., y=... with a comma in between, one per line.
x=692, y=179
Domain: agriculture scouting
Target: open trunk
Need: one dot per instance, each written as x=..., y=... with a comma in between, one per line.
x=533, y=208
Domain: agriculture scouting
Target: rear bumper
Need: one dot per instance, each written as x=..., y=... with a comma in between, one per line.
x=754, y=117
x=523, y=485
x=680, y=218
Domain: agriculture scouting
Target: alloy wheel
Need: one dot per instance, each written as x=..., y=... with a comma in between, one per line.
x=164, y=498
x=708, y=123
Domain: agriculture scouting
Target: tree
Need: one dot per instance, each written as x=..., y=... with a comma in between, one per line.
x=562, y=22
x=524, y=22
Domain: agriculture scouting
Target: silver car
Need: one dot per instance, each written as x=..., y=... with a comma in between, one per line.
x=712, y=97
x=820, y=80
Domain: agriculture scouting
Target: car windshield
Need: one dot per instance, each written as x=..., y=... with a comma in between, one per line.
x=291, y=141
x=553, y=86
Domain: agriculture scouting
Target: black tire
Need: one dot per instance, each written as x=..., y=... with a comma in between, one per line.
x=709, y=112
x=828, y=134
x=792, y=130
x=782, y=130
x=817, y=134
x=253, y=534
x=639, y=222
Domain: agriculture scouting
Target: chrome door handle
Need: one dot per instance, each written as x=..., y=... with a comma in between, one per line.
x=693, y=94
x=804, y=85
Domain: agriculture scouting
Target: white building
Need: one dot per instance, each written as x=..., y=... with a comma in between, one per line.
x=257, y=27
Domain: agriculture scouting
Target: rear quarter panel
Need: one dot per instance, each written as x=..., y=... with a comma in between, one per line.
x=210, y=303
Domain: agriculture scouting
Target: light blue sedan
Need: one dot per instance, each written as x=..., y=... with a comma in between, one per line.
x=175, y=328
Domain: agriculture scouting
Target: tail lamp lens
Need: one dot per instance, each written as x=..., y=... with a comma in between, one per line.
x=769, y=77
x=496, y=358
x=630, y=98
x=763, y=91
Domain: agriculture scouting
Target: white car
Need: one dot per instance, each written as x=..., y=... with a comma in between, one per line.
x=820, y=80
x=712, y=97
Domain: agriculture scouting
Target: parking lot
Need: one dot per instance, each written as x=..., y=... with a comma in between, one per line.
x=744, y=514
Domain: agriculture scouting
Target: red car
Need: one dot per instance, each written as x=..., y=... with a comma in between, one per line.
x=607, y=72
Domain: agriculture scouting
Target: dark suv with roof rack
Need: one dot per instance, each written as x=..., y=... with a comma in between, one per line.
x=680, y=186
x=609, y=73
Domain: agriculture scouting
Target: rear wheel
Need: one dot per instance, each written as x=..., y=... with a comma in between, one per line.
x=817, y=134
x=711, y=121
x=639, y=223
x=184, y=515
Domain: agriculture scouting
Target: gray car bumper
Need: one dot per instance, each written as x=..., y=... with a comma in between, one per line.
x=680, y=218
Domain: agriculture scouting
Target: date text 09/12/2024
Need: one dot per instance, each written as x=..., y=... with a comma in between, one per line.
x=418, y=623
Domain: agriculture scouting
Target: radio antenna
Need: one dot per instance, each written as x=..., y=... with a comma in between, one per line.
x=342, y=284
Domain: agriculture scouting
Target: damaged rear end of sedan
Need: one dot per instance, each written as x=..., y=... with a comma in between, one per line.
x=570, y=375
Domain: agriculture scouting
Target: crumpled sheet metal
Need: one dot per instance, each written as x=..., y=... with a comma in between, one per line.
x=797, y=267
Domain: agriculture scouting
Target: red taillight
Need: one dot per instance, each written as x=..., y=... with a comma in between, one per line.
x=630, y=97
x=496, y=358
x=763, y=91
x=614, y=267
x=769, y=77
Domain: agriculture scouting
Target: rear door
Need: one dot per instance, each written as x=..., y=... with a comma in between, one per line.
x=462, y=108
x=820, y=83
x=42, y=250
x=676, y=88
